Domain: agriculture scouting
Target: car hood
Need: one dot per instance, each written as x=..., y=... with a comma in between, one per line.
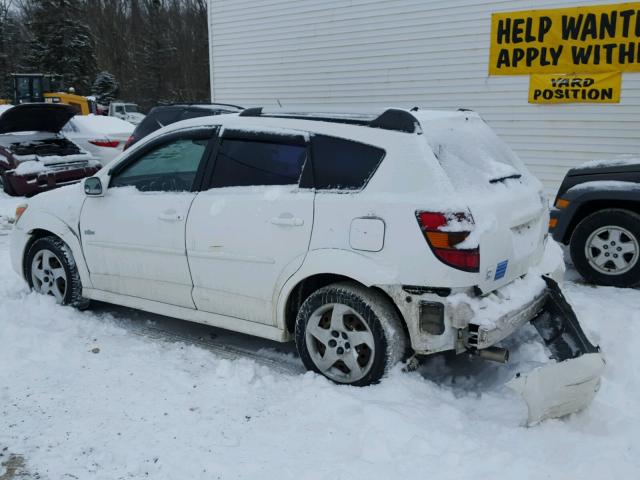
x=621, y=165
x=36, y=117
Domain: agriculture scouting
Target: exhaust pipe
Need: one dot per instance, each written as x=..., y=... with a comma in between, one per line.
x=495, y=354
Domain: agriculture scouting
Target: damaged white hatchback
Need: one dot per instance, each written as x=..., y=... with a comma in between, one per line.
x=364, y=239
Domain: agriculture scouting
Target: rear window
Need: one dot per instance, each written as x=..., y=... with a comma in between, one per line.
x=340, y=164
x=156, y=120
x=471, y=153
x=242, y=163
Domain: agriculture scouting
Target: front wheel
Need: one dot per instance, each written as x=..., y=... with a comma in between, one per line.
x=51, y=270
x=605, y=248
x=350, y=334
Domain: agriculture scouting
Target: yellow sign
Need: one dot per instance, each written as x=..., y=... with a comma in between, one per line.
x=588, y=39
x=576, y=88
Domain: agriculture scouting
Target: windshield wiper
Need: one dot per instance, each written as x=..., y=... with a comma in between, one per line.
x=515, y=176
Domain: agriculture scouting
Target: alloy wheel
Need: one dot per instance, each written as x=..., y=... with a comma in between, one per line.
x=340, y=343
x=48, y=275
x=612, y=250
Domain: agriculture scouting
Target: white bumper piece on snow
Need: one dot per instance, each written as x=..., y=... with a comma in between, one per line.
x=558, y=389
x=570, y=384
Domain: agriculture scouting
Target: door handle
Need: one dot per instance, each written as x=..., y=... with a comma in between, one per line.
x=170, y=217
x=287, y=221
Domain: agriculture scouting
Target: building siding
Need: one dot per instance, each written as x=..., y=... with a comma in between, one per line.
x=369, y=54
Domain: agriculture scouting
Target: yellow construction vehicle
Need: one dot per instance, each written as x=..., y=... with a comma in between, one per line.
x=39, y=87
x=83, y=105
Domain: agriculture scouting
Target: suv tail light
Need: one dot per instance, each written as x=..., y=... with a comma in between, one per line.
x=105, y=143
x=444, y=232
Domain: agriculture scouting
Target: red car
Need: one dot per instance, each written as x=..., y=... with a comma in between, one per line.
x=34, y=155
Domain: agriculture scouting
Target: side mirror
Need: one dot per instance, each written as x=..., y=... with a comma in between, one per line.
x=93, y=187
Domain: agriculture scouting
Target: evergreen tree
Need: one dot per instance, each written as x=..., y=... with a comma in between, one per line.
x=60, y=42
x=158, y=53
x=105, y=88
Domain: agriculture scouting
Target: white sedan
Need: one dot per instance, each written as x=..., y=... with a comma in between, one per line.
x=103, y=137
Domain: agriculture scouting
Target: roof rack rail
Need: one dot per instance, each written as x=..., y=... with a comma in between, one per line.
x=198, y=104
x=391, y=119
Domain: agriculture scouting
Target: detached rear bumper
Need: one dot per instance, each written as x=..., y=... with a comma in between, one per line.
x=570, y=384
x=32, y=183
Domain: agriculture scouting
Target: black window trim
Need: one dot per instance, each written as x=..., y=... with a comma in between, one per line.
x=342, y=190
x=200, y=133
x=260, y=136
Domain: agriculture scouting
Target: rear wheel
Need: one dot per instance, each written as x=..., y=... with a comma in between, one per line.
x=605, y=248
x=350, y=334
x=51, y=270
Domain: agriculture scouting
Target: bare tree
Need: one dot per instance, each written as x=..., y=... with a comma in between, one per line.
x=156, y=49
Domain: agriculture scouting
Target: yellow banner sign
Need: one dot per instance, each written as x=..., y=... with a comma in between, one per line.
x=576, y=88
x=588, y=39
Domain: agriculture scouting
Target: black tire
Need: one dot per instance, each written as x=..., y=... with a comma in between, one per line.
x=382, y=320
x=617, y=218
x=73, y=285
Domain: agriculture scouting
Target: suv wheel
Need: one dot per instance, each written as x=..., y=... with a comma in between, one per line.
x=51, y=270
x=350, y=334
x=605, y=248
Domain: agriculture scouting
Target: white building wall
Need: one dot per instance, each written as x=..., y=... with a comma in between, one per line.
x=356, y=54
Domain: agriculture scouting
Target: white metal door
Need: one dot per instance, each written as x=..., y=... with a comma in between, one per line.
x=243, y=238
x=134, y=236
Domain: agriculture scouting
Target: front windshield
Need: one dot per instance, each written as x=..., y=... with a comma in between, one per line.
x=131, y=108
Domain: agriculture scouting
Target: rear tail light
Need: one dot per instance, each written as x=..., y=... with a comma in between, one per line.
x=444, y=232
x=105, y=143
x=129, y=142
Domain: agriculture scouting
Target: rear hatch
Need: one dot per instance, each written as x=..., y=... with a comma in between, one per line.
x=504, y=199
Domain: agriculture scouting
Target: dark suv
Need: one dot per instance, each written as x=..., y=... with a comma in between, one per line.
x=164, y=115
x=597, y=213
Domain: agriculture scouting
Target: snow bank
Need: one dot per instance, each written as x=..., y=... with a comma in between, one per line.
x=85, y=395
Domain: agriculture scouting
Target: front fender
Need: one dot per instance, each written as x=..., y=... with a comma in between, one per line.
x=584, y=193
x=39, y=220
x=347, y=263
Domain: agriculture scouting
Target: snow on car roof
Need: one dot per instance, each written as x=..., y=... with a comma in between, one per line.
x=613, y=162
x=284, y=119
x=102, y=124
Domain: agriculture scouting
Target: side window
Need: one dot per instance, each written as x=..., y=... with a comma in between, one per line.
x=340, y=164
x=241, y=163
x=171, y=167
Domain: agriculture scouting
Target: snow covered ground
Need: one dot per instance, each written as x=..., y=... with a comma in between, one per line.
x=116, y=394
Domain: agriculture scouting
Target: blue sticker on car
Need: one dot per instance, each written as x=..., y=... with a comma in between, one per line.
x=501, y=269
